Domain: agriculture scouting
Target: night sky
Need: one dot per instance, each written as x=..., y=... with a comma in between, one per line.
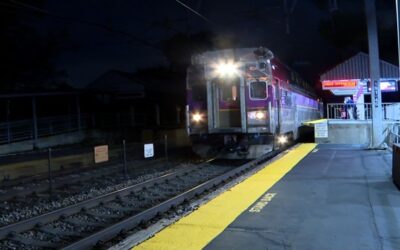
x=311, y=46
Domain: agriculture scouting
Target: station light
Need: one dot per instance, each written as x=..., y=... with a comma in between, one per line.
x=282, y=139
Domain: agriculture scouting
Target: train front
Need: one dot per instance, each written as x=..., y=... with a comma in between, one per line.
x=230, y=99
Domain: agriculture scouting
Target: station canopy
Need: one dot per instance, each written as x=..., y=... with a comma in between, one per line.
x=351, y=75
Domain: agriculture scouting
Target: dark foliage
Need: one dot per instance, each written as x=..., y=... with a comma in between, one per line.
x=28, y=53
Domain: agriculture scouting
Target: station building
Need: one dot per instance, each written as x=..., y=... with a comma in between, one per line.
x=350, y=120
x=351, y=79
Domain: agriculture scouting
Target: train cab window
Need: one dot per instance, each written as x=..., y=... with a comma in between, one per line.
x=229, y=93
x=199, y=92
x=228, y=89
x=258, y=90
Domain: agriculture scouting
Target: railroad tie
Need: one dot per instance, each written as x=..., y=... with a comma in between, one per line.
x=32, y=242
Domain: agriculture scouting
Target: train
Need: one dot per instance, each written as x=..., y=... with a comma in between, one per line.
x=244, y=102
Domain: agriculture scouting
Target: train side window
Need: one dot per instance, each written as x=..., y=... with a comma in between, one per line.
x=286, y=97
x=258, y=90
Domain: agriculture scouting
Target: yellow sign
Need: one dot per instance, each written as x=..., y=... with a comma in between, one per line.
x=100, y=153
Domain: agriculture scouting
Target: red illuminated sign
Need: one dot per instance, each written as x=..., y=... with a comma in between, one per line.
x=346, y=84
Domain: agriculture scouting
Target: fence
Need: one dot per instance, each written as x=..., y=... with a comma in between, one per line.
x=362, y=111
x=122, y=157
x=14, y=131
x=393, y=134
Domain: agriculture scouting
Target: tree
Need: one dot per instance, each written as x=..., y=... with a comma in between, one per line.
x=27, y=51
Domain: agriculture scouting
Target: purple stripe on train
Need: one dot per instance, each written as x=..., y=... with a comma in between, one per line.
x=305, y=101
x=287, y=99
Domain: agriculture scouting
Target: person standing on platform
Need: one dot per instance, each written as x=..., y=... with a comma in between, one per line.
x=343, y=111
x=350, y=108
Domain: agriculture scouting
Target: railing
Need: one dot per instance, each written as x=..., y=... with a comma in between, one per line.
x=21, y=130
x=14, y=131
x=362, y=111
x=394, y=134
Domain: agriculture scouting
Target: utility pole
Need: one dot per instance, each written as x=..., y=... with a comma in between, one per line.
x=288, y=12
x=398, y=31
x=374, y=71
x=34, y=121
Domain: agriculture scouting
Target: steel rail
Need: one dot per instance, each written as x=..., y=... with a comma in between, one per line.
x=131, y=222
x=69, y=210
x=90, y=174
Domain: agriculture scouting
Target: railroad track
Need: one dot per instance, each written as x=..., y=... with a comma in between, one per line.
x=84, y=224
x=39, y=184
x=79, y=188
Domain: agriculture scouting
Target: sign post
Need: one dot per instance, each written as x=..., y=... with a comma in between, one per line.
x=50, y=175
x=125, y=167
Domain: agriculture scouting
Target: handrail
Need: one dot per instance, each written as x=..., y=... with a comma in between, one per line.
x=362, y=111
x=394, y=134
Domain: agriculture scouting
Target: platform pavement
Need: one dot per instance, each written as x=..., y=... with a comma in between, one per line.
x=333, y=197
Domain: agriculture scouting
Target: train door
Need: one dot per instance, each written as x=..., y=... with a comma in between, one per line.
x=225, y=97
x=277, y=100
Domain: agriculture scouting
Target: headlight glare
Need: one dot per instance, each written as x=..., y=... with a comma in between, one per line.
x=197, y=117
x=260, y=115
x=282, y=139
x=257, y=115
x=226, y=69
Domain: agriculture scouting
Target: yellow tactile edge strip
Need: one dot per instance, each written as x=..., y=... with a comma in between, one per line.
x=315, y=121
x=197, y=229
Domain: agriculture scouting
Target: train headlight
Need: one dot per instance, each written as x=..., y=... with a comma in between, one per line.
x=197, y=117
x=282, y=139
x=257, y=115
x=226, y=69
x=260, y=115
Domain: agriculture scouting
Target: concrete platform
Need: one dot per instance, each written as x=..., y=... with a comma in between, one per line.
x=314, y=197
x=344, y=131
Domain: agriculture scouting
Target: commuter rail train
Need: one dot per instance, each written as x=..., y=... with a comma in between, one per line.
x=241, y=103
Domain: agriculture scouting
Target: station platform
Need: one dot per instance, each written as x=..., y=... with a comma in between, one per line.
x=313, y=197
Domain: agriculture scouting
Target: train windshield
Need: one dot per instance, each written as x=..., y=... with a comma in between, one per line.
x=229, y=88
x=258, y=90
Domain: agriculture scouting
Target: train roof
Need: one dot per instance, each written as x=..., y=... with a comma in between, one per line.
x=253, y=54
x=240, y=54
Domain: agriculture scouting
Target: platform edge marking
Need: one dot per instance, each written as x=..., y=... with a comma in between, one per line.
x=200, y=227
